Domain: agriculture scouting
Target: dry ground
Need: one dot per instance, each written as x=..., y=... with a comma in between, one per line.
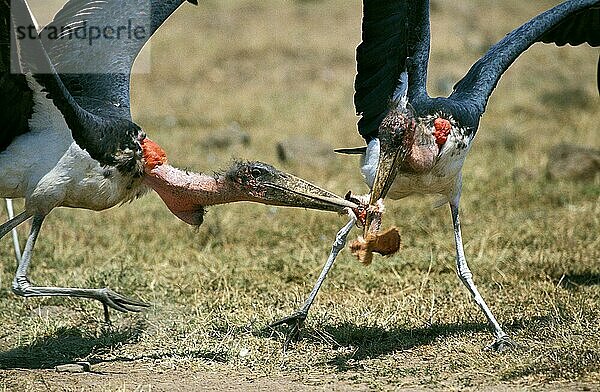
x=281, y=68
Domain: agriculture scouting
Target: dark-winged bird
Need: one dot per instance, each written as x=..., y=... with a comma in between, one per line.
x=417, y=144
x=67, y=137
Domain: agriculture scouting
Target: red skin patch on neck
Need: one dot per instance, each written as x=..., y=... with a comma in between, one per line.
x=442, y=129
x=154, y=155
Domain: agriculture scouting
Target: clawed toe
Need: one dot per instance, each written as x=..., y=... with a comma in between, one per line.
x=295, y=322
x=503, y=343
x=294, y=318
x=120, y=302
x=111, y=299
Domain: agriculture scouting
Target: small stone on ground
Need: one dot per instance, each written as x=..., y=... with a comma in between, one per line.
x=77, y=367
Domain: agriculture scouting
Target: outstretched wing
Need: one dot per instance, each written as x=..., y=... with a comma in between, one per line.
x=572, y=22
x=93, y=44
x=580, y=27
x=95, y=106
x=108, y=140
x=16, y=98
x=394, y=32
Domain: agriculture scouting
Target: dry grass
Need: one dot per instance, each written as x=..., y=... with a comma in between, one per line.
x=282, y=68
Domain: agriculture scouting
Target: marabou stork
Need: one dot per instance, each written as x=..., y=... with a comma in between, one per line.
x=417, y=144
x=68, y=139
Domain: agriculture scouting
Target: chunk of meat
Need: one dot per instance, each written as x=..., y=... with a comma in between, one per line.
x=385, y=243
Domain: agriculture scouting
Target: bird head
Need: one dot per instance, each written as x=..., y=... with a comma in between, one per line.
x=393, y=147
x=263, y=183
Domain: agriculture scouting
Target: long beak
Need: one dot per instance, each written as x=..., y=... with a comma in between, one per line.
x=288, y=190
x=390, y=159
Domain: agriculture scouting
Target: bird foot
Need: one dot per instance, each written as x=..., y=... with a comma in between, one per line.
x=502, y=343
x=111, y=299
x=295, y=322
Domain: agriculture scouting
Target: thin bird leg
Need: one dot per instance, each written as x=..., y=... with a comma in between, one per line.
x=13, y=222
x=21, y=285
x=296, y=320
x=502, y=341
x=15, y=234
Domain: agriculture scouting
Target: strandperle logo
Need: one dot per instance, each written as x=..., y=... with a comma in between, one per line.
x=86, y=32
x=94, y=39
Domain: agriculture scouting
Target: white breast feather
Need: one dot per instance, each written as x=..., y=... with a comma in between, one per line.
x=369, y=162
x=48, y=169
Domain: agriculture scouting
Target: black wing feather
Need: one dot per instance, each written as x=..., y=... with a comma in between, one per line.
x=16, y=98
x=110, y=141
x=581, y=27
x=380, y=58
x=392, y=32
x=95, y=106
x=561, y=24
